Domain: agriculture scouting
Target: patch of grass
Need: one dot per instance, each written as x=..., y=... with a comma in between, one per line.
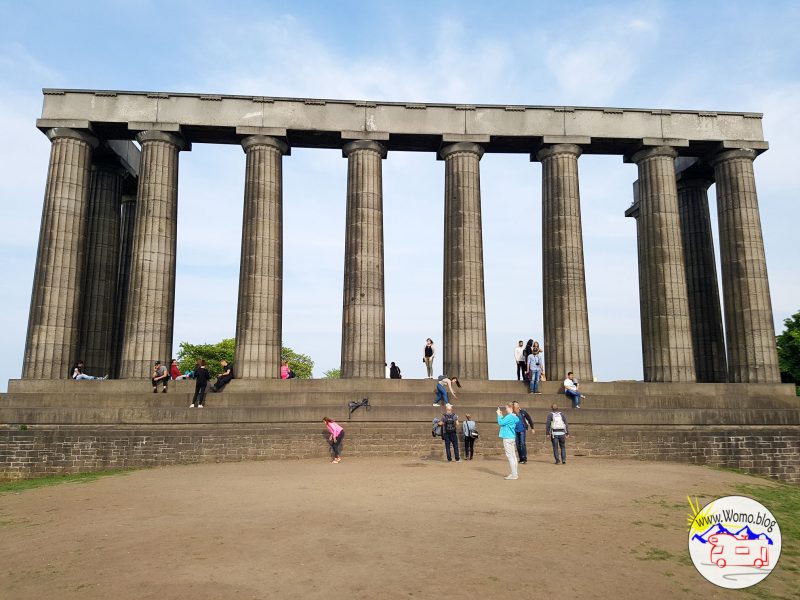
x=20, y=485
x=784, y=502
x=656, y=554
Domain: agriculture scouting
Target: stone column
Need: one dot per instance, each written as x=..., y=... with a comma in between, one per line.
x=127, y=219
x=464, y=323
x=260, y=313
x=666, y=331
x=102, y=261
x=363, y=312
x=701, y=280
x=151, y=288
x=752, y=354
x=566, y=314
x=51, y=343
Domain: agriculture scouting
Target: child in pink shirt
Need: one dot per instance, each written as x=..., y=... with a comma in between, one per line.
x=335, y=439
x=284, y=370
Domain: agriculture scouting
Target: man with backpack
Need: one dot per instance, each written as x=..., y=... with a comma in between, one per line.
x=558, y=430
x=449, y=425
x=521, y=430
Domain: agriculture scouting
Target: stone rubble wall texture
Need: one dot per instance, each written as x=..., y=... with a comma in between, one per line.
x=770, y=451
x=151, y=291
x=98, y=307
x=464, y=322
x=259, y=320
x=666, y=330
x=127, y=221
x=752, y=354
x=566, y=313
x=701, y=281
x=364, y=315
x=53, y=326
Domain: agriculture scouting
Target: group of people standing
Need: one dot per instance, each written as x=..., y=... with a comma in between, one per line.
x=529, y=359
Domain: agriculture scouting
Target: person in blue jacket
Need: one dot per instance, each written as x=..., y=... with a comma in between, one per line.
x=508, y=424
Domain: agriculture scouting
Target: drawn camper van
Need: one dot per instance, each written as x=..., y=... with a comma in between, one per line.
x=731, y=550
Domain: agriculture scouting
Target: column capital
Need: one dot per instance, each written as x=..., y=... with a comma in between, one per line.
x=265, y=140
x=153, y=135
x=470, y=147
x=372, y=145
x=75, y=134
x=556, y=149
x=724, y=155
x=646, y=153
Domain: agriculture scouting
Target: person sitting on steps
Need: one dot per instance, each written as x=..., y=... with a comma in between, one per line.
x=160, y=375
x=571, y=390
x=224, y=378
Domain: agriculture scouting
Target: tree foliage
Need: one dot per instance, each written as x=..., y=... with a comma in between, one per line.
x=332, y=374
x=789, y=349
x=189, y=354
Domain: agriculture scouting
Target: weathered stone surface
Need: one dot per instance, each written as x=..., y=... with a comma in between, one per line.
x=151, y=291
x=464, y=323
x=97, y=321
x=752, y=354
x=126, y=227
x=363, y=312
x=566, y=313
x=705, y=314
x=260, y=313
x=53, y=326
x=666, y=332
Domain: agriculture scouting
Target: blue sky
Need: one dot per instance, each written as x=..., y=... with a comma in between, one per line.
x=706, y=56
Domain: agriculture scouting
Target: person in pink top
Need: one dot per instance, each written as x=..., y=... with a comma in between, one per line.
x=284, y=370
x=335, y=439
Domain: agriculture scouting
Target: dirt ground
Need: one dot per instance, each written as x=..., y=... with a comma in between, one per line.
x=366, y=528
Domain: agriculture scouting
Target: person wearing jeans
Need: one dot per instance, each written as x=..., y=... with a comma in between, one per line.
x=535, y=368
x=78, y=374
x=521, y=430
x=335, y=438
x=449, y=425
x=508, y=424
x=469, y=442
x=442, y=386
x=572, y=391
x=519, y=358
x=557, y=429
x=201, y=377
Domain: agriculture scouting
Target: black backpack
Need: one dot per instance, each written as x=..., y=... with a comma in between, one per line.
x=450, y=422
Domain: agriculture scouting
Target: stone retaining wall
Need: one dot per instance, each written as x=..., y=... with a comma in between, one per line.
x=44, y=450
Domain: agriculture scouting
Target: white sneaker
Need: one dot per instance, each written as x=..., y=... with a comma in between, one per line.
x=191, y=406
x=200, y=406
x=436, y=404
x=511, y=477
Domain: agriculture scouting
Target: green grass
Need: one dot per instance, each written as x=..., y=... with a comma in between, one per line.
x=656, y=554
x=20, y=485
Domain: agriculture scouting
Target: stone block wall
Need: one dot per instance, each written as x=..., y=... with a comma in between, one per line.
x=44, y=450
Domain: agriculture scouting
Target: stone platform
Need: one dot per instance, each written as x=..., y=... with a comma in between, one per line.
x=64, y=426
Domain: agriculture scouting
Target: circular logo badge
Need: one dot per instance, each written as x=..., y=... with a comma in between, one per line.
x=734, y=541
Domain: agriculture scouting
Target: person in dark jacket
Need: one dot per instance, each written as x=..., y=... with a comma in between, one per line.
x=521, y=430
x=558, y=429
x=394, y=372
x=224, y=378
x=201, y=378
x=525, y=354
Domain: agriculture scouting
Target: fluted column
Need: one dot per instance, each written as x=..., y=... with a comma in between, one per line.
x=666, y=331
x=260, y=312
x=100, y=277
x=151, y=288
x=566, y=314
x=363, y=312
x=127, y=220
x=51, y=343
x=701, y=280
x=464, y=297
x=752, y=354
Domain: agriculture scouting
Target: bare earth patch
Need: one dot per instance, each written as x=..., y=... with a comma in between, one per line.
x=366, y=528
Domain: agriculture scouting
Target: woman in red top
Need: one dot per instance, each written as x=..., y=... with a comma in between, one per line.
x=174, y=371
x=335, y=438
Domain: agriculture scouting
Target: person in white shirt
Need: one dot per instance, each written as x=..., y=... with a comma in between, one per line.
x=519, y=358
x=571, y=390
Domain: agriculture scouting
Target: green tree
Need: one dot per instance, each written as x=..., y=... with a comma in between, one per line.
x=189, y=354
x=789, y=349
x=301, y=364
x=332, y=374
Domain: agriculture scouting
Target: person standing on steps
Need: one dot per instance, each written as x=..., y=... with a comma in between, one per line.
x=335, y=439
x=525, y=354
x=521, y=431
x=508, y=425
x=470, y=435
x=535, y=368
x=201, y=378
x=571, y=390
x=224, y=378
x=558, y=430
x=160, y=375
x=519, y=351
x=449, y=425
x=442, y=386
x=428, y=354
